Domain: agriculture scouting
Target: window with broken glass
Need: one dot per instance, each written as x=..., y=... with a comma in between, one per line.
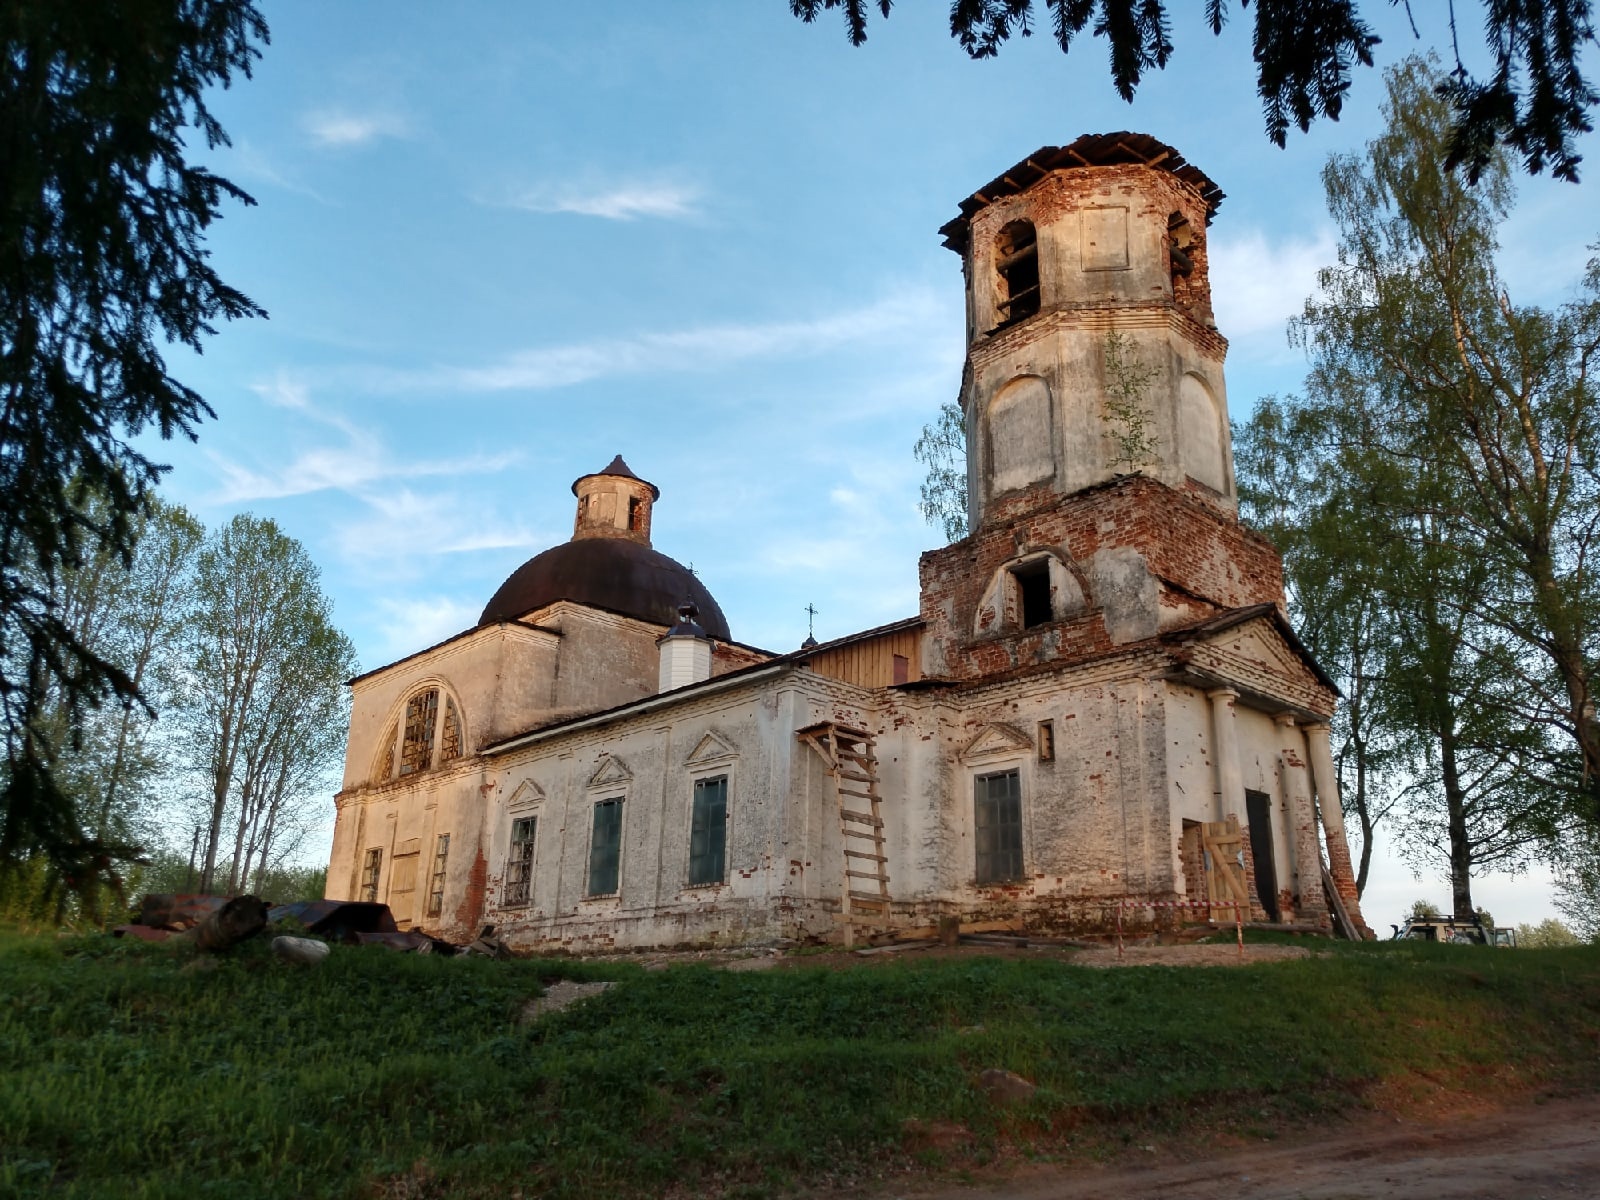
x=605, y=847
x=519, y=863
x=997, y=826
x=370, y=870
x=441, y=853
x=429, y=733
x=422, y=714
x=1016, y=260
x=708, y=832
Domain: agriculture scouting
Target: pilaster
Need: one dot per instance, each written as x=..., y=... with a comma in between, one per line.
x=1307, y=857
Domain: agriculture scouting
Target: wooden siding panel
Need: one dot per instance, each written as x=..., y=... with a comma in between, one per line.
x=870, y=663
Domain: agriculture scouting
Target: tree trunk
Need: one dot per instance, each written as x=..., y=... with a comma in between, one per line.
x=1456, y=807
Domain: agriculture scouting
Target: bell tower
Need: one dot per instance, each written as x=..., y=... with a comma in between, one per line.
x=1102, y=509
x=1091, y=347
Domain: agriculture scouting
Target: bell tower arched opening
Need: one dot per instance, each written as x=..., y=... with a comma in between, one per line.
x=1016, y=264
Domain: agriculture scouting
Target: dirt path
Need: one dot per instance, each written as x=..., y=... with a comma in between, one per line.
x=1548, y=1151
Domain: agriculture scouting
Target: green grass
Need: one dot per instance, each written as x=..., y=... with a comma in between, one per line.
x=127, y=1072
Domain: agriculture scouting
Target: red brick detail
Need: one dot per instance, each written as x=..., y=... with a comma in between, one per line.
x=1149, y=193
x=1205, y=562
x=1344, y=882
x=469, y=913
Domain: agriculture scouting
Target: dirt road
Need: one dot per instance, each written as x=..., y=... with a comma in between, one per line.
x=1548, y=1151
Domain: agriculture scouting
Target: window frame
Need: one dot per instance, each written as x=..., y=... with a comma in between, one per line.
x=994, y=877
x=698, y=787
x=590, y=891
x=436, y=876
x=523, y=862
x=1013, y=304
x=371, y=875
x=389, y=761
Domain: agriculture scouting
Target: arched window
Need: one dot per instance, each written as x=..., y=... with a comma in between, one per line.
x=427, y=733
x=1016, y=264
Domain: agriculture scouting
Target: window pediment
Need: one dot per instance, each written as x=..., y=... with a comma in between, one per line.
x=611, y=772
x=997, y=741
x=711, y=749
x=527, y=795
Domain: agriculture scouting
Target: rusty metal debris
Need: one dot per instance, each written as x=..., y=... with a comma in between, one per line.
x=338, y=920
x=488, y=945
x=177, y=911
x=237, y=919
x=217, y=922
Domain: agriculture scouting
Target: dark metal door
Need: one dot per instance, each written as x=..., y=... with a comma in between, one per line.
x=1258, y=807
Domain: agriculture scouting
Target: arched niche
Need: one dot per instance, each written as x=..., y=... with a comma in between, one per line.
x=1021, y=440
x=1200, y=434
x=1033, y=589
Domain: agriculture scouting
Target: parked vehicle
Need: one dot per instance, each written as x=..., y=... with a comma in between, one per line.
x=1473, y=932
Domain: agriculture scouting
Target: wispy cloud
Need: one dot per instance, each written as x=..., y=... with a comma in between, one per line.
x=680, y=350
x=406, y=626
x=401, y=525
x=625, y=202
x=251, y=164
x=1258, y=285
x=340, y=129
x=359, y=461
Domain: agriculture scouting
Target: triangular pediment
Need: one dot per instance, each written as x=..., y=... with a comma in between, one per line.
x=1262, y=653
x=528, y=794
x=710, y=749
x=995, y=741
x=611, y=772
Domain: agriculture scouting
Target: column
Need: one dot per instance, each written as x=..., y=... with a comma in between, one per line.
x=1225, y=751
x=1326, y=781
x=1309, y=902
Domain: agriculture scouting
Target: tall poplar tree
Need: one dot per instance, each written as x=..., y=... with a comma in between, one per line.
x=262, y=714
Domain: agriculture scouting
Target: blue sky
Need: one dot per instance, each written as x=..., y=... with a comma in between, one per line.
x=500, y=243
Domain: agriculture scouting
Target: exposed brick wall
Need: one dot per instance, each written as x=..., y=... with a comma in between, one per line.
x=469, y=913
x=1204, y=562
x=1150, y=195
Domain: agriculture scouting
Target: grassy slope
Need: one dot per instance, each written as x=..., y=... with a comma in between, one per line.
x=125, y=1072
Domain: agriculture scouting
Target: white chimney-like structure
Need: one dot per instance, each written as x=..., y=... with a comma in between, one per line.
x=685, y=651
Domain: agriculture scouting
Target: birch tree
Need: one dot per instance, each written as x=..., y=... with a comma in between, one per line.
x=263, y=708
x=1464, y=384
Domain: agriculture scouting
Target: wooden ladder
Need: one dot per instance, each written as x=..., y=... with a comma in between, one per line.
x=853, y=767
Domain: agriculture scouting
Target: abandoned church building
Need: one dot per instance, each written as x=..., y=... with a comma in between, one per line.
x=1099, y=703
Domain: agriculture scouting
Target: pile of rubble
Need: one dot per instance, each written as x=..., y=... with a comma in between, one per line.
x=214, y=923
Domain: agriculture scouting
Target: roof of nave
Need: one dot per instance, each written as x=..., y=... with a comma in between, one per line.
x=692, y=691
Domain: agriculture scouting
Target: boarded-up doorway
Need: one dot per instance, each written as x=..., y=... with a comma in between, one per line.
x=1258, y=808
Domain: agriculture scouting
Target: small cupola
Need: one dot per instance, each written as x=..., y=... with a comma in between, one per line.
x=685, y=651
x=614, y=502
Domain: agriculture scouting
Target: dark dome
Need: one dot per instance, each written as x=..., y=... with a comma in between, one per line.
x=612, y=573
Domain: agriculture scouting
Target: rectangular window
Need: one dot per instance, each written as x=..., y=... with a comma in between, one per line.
x=441, y=852
x=1047, y=741
x=708, y=832
x=998, y=826
x=370, y=871
x=605, y=847
x=519, y=863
